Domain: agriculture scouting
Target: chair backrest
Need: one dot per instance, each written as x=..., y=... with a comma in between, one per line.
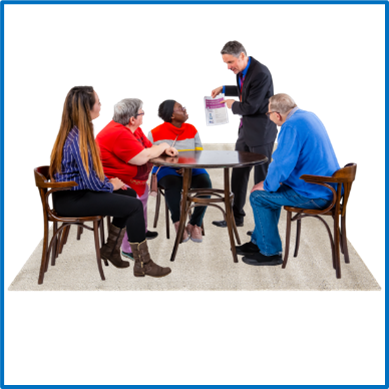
x=43, y=182
x=41, y=174
x=345, y=177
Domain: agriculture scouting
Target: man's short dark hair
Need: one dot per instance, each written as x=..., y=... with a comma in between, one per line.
x=234, y=48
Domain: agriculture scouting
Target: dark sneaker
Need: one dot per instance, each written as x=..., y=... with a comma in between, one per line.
x=223, y=224
x=247, y=249
x=151, y=235
x=259, y=259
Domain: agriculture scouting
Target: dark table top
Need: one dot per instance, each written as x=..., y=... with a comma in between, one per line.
x=210, y=159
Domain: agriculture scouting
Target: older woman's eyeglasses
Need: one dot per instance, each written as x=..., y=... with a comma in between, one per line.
x=139, y=114
x=270, y=112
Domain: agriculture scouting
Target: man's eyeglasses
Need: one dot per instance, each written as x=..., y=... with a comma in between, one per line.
x=139, y=114
x=270, y=112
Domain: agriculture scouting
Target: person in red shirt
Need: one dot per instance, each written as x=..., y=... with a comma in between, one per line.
x=125, y=153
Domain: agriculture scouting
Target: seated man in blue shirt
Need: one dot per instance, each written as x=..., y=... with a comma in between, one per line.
x=304, y=147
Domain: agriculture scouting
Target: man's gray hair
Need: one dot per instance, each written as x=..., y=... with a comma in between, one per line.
x=281, y=103
x=233, y=48
x=125, y=109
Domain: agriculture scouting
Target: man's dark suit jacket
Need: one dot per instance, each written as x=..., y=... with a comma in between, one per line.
x=257, y=128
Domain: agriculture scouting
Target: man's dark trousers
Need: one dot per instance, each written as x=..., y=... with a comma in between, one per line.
x=240, y=176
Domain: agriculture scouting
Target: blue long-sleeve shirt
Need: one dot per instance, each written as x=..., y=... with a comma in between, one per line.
x=304, y=147
x=72, y=168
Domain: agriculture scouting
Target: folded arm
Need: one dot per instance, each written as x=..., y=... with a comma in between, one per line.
x=152, y=152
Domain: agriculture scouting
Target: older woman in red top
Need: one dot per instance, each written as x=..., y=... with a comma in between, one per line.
x=125, y=153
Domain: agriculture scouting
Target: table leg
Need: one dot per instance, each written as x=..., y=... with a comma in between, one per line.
x=235, y=229
x=184, y=210
x=229, y=216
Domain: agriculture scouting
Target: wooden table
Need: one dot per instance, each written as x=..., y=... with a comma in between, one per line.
x=208, y=159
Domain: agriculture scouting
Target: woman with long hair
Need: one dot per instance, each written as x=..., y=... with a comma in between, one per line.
x=75, y=157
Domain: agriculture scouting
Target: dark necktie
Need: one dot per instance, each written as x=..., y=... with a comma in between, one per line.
x=241, y=78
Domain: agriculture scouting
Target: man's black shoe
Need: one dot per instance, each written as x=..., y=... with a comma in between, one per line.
x=250, y=233
x=247, y=249
x=223, y=223
x=259, y=259
x=151, y=235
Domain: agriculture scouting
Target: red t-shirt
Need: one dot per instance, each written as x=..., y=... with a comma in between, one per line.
x=118, y=145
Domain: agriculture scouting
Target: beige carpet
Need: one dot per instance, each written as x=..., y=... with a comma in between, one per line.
x=205, y=266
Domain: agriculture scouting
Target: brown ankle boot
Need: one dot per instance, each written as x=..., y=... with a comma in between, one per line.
x=144, y=266
x=111, y=250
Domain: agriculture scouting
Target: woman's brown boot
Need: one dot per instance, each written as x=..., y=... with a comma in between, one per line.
x=144, y=266
x=111, y=250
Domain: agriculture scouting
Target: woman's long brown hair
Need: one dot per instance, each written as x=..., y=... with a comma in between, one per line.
x=76, y=112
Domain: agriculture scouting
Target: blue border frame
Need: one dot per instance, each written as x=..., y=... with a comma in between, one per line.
x=191, y=2
x=149, y=2
x=2, y=183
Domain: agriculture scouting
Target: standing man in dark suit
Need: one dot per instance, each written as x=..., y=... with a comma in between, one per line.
x=256, y=132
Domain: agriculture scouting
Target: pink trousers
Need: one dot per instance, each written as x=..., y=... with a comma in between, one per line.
x=125, y=245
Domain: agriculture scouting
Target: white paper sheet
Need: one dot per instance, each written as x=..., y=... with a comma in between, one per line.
x=216, y=113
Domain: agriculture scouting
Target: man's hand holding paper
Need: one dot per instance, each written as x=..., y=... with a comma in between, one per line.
x=215, y=109
x=216, y=91
x=228, y=102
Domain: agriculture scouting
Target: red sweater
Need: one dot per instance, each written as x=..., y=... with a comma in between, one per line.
x=118, y=145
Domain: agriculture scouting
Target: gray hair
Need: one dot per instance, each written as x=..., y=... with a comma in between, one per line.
x=233, y=48
x=281, y=103
x=125, y=109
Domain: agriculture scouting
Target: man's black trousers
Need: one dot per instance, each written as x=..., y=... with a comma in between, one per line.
x=240, y=177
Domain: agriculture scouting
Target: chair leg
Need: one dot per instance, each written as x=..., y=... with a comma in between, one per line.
x=202, y=228
x=157, y=206
x=108, y=225
x=341, y=241
x=58, y=240
x=55, y=243
x=64, y=238
x=167, y=220
x=298, y=234
x=229, y=215
x=44, y=259
x=235, y=230
x=231, y=232
x=287, y=239
x=336, y=246
x=344, y=239
x=79, y=232
x=185, y=205
x=97, y=247
x=103, y=237
x=101, y=227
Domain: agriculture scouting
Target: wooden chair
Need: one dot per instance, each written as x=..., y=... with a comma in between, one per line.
x=60, y=235
x=160, y=193
x=344, y=178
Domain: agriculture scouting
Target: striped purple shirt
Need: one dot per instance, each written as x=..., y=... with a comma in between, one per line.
x=72, y=168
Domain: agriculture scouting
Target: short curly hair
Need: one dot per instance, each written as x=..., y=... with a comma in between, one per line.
x=125, y=109
x=281, y=103
x=165, y=110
